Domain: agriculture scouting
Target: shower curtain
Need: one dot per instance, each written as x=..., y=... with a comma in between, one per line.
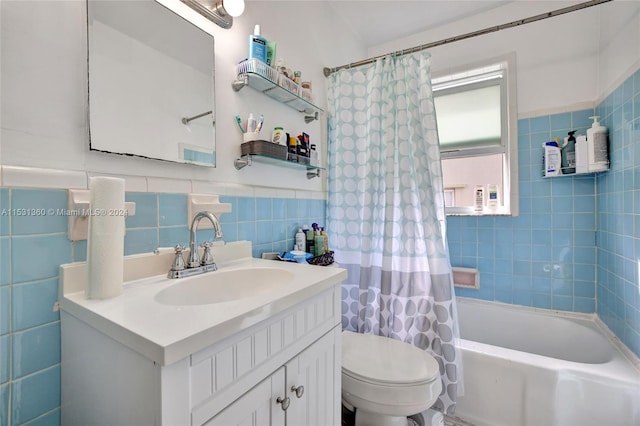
x=385, y=215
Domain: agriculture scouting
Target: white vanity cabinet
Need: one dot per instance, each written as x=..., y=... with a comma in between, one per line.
x=256, y=407
x=303, y=392
x=234, y=381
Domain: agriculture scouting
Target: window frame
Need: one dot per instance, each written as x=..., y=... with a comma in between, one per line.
x=472, y=77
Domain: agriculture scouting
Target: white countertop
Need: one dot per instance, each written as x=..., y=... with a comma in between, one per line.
x=166, y=334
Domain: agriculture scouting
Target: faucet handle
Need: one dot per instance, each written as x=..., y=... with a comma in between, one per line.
x=207, y=257
x=178, y=260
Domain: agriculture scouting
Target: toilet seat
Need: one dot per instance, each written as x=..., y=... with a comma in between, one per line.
x=384, y=361
x=386, y=380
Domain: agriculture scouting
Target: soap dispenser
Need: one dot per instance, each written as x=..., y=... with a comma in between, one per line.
x=598, y=152
x=569, y=154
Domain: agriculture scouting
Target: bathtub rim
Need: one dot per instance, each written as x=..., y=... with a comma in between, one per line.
x=627, y=353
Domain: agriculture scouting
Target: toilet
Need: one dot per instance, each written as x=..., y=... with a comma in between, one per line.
x=385, y=380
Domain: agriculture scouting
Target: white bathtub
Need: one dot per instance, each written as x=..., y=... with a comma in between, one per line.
x=534, y=367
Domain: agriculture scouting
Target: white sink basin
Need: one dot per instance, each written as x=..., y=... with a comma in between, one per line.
x=224, y=286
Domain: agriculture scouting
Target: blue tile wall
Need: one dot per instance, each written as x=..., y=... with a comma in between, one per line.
x=545, y=257
x=30, y=328
x=618, y=218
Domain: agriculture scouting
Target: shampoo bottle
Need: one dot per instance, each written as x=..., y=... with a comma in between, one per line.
x=257, y=45
x=479, y=197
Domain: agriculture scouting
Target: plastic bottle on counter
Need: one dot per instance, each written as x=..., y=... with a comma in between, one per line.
x=300, y=240
x=325, y=239
x=310, y=241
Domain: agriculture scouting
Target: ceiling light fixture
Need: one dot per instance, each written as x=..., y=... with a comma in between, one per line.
x=220, y=12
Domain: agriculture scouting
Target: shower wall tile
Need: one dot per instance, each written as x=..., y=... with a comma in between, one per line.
x=537, y=258
x=618, y=218
x=576, y=244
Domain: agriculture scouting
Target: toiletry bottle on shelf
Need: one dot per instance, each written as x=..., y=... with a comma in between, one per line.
x=257, y=45
x=277, y=136
x=582, y=160
x=271, y=53
x=551, y=158
x=569, y=154
x=479, y=197
x=598, y=156
x=300, y=240
x=492, y=200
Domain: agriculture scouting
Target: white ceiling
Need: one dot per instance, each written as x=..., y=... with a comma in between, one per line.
x=376, y=22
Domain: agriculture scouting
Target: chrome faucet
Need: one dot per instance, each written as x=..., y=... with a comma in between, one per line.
x=194, y=257
x=196, y=265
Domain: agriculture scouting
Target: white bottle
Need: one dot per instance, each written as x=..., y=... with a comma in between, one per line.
x=301, y=240
x=582, y=154
x=597, y=146
x=552, y=159
x=251, y=123
x=479, y=197
x=492, y=190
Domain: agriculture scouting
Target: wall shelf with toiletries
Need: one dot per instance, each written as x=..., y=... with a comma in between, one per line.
x=579, y=154
x=268, y=80
x=593, y=172
x=271, y=153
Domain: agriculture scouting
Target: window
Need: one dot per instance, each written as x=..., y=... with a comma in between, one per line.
x=477, y=128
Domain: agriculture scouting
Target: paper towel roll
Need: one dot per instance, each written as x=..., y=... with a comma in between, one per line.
x=105, y=242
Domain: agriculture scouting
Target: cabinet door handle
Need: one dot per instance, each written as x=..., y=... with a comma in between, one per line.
x=284, y=402
x=298, y=390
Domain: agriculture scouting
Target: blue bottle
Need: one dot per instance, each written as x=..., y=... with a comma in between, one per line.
x=257, y=46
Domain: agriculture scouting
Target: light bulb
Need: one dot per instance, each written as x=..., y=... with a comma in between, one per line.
x=233, y=7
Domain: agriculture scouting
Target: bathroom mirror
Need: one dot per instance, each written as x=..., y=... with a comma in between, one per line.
x=151, y=83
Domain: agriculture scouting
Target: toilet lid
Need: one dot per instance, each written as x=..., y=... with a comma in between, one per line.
x=378, y=359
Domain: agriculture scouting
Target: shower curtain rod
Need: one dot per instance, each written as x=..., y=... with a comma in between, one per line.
x=557, y=12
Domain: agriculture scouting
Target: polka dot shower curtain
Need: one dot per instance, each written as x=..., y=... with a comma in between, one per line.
x=386, y=210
